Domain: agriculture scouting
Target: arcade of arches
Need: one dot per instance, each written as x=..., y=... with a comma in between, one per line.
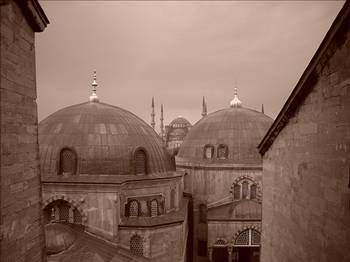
x=246, y=248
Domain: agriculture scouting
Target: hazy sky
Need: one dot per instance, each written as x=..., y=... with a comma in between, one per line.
x=177, y=52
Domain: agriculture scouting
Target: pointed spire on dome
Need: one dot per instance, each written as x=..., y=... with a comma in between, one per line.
x=204, y=107
x=153, y=123
x=235, y=102
x=94, y=97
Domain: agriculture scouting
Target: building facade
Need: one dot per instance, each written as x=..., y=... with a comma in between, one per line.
x=306, y=160
x=21, y=231
x=107, y=176
x=223, y=172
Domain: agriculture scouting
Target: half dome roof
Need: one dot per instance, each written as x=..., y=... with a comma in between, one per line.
x=104, y=138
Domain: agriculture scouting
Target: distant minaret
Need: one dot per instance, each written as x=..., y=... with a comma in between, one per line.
x=161, y=122
x=153, y=123
x=204, y=107
x=235, y=102
x=262, y=109
x=94, y=97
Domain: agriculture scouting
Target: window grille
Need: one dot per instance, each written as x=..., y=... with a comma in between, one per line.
x=253, y=191
x=222, y=151
x=244, y=190
x=133, y=208
x=64, y=212
x=136, y=245
x=68, y=162
x=236, y=191
x=172, y=199
x=77, y=216
x=243, y=238
x=140, y=162
x=220, y=242
x=255, y=237
x=154, y=208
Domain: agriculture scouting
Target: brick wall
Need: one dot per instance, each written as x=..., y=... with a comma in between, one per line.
x=22, y=237
x=306, y=203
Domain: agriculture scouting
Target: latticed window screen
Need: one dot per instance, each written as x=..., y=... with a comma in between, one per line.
x=222, y=152
x=243, y=238
x=68, y=161
x=220, y=242
x=140, y=162
x=133, y=208
x=244, y=189
x=77, y=216
x=255, y=237
x=253, y=191
x=249, y=237
x=172, y=198
x=236, y=191
x=154, y=208
x=136, y=245
x=64, y=212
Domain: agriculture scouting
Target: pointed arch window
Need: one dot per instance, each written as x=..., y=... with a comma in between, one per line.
x=236, y=192
x=253, y=191
x=140, y=162
x=67, y=162
x=133, y=208
x=222, y=151
x=136, y=245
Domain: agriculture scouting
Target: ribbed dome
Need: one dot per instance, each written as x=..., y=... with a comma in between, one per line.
x=104, y=138
x=180, y=121
x=240, y=129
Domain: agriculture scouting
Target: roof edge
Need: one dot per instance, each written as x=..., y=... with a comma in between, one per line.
x=34, y=13
x=305, y=82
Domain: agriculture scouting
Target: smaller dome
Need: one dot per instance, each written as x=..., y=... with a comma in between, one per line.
x=180, y=122
x=59, y=237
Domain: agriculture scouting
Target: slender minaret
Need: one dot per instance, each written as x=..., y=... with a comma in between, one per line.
x=153, y=123
x=204, y=107
x=235, y=102
x=262, y=109
x=94, y=97
x=161, y=122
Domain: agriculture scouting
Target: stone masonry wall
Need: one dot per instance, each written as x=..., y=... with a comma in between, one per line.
x=306, y=172
x=22, y=235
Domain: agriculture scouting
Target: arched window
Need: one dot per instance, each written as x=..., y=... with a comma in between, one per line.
x=136, y=245
x=154, y=208
x=172, y=199
x=133, y=208
x=140, y=162
x=68, y=162
x=222, y=151
x=236, y=192
x=244, y=190
x=208, y=151
x=253, y=191
x=248, y=237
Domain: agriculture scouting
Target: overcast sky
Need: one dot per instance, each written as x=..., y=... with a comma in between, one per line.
x=177, y=52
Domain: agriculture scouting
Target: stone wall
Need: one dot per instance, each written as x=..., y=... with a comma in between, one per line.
x=22, y=235
x=306, y=171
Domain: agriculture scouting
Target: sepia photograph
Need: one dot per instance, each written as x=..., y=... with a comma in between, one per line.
x=174, y=131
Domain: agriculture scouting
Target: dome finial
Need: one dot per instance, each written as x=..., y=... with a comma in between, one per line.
x=235, y=102
x=94, y=97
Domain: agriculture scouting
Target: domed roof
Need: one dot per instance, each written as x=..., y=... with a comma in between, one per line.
x=104, y=138
x=238, y=128
x=181, y=121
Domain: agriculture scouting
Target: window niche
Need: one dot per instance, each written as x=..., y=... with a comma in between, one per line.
x=222, y=151
x=208, y=151
x=140, y=162
x=67, y=162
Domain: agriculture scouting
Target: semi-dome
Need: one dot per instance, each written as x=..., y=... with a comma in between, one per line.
x=229, y=136
x=101, y=139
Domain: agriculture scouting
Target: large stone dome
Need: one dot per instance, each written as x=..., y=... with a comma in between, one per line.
x=238, y=129
x=104, y=138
